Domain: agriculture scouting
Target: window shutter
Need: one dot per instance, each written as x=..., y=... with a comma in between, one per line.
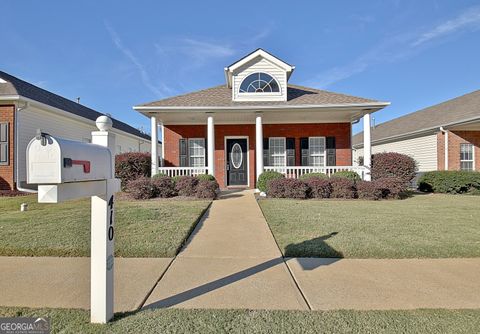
x=183, y=152
x=265, y=152
x=331, y=151
x=304, y=151
x=290, y=146
x=4, y=143
x=206, y=152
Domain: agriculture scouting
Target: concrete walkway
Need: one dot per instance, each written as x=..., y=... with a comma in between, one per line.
x=231, y=261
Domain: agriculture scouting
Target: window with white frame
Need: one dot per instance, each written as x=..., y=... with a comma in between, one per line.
x=196, y=150
x=317, y=151
x=277, y=149
x=466, y=157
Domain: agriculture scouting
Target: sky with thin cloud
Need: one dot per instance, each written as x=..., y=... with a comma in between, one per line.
x=116, y=54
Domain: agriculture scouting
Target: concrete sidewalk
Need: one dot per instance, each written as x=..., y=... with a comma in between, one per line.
x=65, y=282
x=231, y=261
x=383, y=284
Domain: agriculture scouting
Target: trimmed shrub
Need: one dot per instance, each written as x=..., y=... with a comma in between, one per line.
x=186, y=186
x=266, y=177
x=141, y=188
x=164, y=186
x=342, y=188
x=206, y=189
x=368, y=190
x=352, y=176
x=318, y=187
x=210, y=178
x=391, y=187
x=287, y=188
x=316, y=175
x=207, y=177
x=132, y=165
x=452, y=182
x=393, y=165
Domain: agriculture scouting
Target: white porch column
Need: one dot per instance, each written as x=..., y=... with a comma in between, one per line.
x=367, y=147
x=259, y=144
x=162, y=151
x=446, y=150
x=211, y=145
x=154, y=139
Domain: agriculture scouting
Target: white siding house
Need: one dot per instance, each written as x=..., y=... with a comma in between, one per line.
x=25, y=108
x=423, y=149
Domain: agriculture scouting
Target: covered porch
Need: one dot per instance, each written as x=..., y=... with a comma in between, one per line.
x=292, y=141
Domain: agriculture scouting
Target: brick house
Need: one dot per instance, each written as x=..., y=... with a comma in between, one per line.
x=445, y=136
x=257, y=121
x=24, y=108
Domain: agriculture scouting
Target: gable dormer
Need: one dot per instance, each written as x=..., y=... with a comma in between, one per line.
x=258, y=76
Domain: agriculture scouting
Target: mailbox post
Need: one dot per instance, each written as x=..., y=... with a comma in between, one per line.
x=65, y=170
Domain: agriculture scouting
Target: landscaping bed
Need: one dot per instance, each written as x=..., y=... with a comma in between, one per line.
x=423, y=226
x=150, y=228
x=242, y=321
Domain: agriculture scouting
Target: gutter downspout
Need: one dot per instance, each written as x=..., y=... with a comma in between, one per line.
x=445, y=132
x=17, y=153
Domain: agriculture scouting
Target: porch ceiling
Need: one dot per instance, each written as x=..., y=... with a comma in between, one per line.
x=271, y=116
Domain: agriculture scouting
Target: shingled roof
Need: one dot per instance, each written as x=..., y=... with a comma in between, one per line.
x=453, y=111
x=15, y=86
x=221, y=96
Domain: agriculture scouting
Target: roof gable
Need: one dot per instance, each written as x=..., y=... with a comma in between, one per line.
x=252, y=57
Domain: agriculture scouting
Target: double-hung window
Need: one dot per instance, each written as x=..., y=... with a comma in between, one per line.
x=277, y=147
x=316, y=151
x=196, y=152
x=466, y=157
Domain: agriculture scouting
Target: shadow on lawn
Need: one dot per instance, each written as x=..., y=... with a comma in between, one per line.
x=317, y=247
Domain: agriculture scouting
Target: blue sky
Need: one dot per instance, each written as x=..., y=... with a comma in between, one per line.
x=116, y=54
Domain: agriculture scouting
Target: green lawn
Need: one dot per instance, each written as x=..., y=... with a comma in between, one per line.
x=155, y=228
x=423, y=226
x=245, y=321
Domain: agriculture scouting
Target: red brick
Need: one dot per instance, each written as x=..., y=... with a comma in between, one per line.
x=7, y=114
x=455, y=138
x=341, y=131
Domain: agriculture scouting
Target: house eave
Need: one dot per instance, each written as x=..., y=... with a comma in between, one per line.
x=421, y=132
x=373, y=106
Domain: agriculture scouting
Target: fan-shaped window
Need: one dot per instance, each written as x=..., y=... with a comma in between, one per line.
x=259, y=83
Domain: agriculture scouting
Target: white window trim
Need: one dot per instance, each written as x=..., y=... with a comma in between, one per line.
x=473, y=155
x=196, y=156
x=324, y=154
x=279, y=93
x=270, y=155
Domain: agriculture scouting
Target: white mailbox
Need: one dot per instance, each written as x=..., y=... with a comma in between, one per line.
x=53, y=160
x=65, y=170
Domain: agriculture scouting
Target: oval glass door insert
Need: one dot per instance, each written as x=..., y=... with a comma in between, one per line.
x=236, y=156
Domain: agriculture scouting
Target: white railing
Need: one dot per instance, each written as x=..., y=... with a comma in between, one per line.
x=296, y=171
x=181, y=171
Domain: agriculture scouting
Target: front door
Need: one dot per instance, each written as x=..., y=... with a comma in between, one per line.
x=237, y=174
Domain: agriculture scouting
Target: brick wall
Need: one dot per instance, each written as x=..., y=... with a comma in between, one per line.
x=341, y=131
x=455, y=138
x=7, y=113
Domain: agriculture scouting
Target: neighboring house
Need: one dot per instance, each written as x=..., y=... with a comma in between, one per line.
x=24, y=108
x=445, y=136
x=257, y=121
